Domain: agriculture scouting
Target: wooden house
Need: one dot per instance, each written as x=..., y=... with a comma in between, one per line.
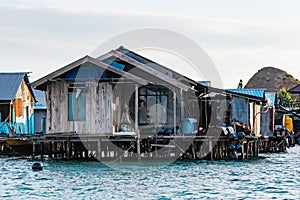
x=246, y=107
x=16, y=104
x=120, y=91
x=268, y=115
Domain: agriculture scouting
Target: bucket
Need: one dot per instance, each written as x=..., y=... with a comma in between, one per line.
x=188, y=125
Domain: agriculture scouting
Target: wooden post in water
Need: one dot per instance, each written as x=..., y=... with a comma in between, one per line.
x=55, y=149
x=99, y=149
x=42, y=150
x=61, y=149
x=243, y=151
x=50, y=149
x=210, y=150
x=68, y=150
x=33, y=149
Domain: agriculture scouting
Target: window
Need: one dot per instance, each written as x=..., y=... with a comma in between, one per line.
x=152, y=105
x=76, y=104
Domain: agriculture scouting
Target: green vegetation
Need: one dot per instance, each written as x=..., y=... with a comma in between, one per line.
x=285, y=99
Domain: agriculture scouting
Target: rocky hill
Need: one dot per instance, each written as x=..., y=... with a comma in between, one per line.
x=272, y=79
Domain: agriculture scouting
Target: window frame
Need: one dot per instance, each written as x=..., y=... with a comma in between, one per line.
x=76, y=102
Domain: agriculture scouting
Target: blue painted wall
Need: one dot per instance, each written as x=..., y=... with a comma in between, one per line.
x=25, y=130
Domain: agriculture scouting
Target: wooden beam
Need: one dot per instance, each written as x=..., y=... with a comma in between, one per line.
x=117, y=71
x=174, y=110
x=136, y=128
x=106, y=56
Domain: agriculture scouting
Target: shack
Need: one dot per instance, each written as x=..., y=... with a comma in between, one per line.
x=120, y=92
x=246, y=108
x=16, y=104
x=268, y=115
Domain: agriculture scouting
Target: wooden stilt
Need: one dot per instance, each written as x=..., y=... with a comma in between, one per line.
x=50, y=149
x=33, y=149
x=42, y=150
x=68, y=150
x=99, y=149
x=55, y=150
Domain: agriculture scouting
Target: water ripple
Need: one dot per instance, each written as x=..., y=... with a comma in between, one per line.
x=274, y=176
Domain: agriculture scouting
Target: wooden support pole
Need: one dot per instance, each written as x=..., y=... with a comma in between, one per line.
x=194, y=151
x=251, y=149
x=210, y=149
x=174, y=110
x=257, y=149
x=243, y=151
x=136, y=128
x=99, y=149
x=55, y=149
x=181, y=108
x=50, y=149
x=68, y=144
x=42, y=150
x=33, y=149
x=86, y=151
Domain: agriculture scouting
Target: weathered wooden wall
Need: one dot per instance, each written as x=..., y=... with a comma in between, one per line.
x=268, y=122
x=98, y=109
x=23, y=103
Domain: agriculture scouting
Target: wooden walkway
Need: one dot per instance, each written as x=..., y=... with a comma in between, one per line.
x=103, y=148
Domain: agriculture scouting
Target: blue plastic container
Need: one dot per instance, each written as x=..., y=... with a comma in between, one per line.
x=188, y=125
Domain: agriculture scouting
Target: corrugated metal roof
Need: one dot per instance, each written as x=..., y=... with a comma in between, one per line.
x=271, y=96
x=256, y=93
x=9, y=85
x=40, y=98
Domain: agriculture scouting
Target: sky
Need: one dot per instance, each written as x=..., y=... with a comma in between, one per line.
x=240, y=37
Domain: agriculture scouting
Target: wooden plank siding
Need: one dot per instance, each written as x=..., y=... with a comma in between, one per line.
x=99, y=116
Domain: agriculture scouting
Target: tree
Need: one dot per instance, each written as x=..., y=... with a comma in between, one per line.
x=240, y=85
x=284, y=98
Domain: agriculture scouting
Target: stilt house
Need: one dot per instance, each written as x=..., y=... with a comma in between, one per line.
x=246, y=107
x=16, y=104
x=120, y=91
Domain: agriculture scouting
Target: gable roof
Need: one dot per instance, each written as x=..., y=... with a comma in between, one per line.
x=40, y=84
x=295, y=90
x=165, y=74
x=145, y=68
x=251, y=93
x=10, y=83
x=149, y=71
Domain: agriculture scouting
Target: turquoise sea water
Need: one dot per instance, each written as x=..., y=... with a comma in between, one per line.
x=275, y=176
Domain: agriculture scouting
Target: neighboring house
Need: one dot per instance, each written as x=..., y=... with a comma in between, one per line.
x=16, y=104
x=295, y=90
x=268, y=115
x=246, y=107
x=119, y=91
x=40, y=111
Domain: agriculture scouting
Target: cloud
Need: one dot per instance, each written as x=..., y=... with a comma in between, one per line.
x=46, y=38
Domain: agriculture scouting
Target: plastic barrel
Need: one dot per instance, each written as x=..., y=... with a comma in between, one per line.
x=289, y=123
